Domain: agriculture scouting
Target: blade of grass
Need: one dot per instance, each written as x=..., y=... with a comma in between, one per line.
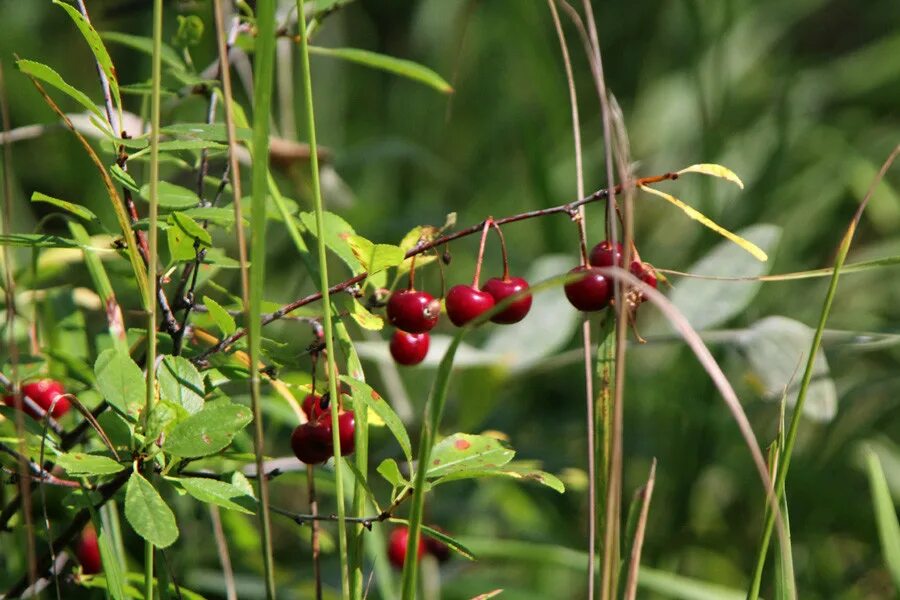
x=885, y=515
x=260, y=173
x=785, y=462
x=635, y=564
x=323, y=286
x=152, y=279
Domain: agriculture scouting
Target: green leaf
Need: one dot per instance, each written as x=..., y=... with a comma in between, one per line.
x=885, y=515
x=548, y=479
x=37, y=240
x=219, y=493
x=463, y=452
x=123, y=178
x=215, y=132
x=180, y=383
x=209, y=431
x=79, y=463
x=183, y=234
x=51, y=77
x=169, y=55
x=190, y=31
x=75, y=209
x=364, y=395
x=671, y=585
x=224, y=321
x=223, y=217
x=120, y=381
x=148, y=513
x=374, y=257
x=172, y=196
x=391, y=472
x=191, y=228
x=97, y=48
x=177, y=145
x=337, y=232
x=397, y=66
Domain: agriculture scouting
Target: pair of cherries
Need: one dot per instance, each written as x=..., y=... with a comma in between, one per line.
x=43, y=392
x=312, y=441
x=593, y=291
x=398, y=544
x=414, y=313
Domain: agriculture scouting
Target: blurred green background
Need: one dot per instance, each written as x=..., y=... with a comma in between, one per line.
x=799, y=98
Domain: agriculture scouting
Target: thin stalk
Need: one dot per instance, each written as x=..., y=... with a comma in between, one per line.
x=326, y=300
x=262, y=102
x=314, y=527
x=788, y=448
x=152, y=279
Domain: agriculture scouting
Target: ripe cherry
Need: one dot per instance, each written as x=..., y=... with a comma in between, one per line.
x=397, y=544
x=500, y=289
x=311, y=443
x=644, y=272
x=88, y=552
x=409, y=348
x=589, y=293
x=413, y=311
x=311, y=407
x=43, y=393
x=466, y=302
x=605, y=254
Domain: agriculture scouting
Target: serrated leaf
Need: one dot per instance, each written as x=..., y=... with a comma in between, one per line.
x=715, y=171
x=219, y=493
x=168, y=56
x=463, y=452
x=391, y=472
x=699, y=216
x=337, y=231
x=171, y=195
x=375, y=257
x=75, y=209
x=148, y=514
x=51, y=77
x=120, y=382
x=224, y=321
x=97, y=48
x=364, y=395
x=79, y=463
x=707, y=303
x=180, y=383
x=208, y=431
x=397, y=66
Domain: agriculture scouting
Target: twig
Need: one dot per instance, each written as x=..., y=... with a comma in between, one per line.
x=224, y=557
x=646, y=494
x=367, y=522
x=570, y=209
x=36, y=471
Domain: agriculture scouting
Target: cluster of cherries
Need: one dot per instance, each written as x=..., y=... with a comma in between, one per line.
x=593, y=291
x=312, y=441
x=399, y=542
x=43, y=392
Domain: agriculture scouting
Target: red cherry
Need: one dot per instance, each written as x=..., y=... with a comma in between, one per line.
x=311, y=407
x=589, y=293
x=397, y=544
x=413, y=311
x=88, y=552
x=311, y=443
x=604, y=255
x=409, y=348
x=346, y=430
x=644, y=272
x=43, y=393
x=466, y=302
x=500, y=289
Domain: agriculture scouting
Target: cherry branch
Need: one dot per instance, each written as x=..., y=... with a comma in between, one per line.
x=570, y=209
x=367, y=522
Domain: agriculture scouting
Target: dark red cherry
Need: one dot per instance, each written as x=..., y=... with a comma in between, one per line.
x=397, y=545
x=311, y=407
x=466, y=302
x=605, y=254
x=644, y=272
x=500, y=289
x=409, y=348
x=311, y=443
x=43, y=393
x=346, y=430
x=88, y=552
x=413, y=311
x=589, y=293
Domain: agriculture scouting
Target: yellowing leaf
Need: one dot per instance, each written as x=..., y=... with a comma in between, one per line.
x=714, y=170
x=695, y=214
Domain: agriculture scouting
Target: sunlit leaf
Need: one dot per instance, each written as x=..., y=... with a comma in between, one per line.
x=51, y=77
x=464, y=452
x=120, y=381
x=363, y=393
x=208, y=431
x=397, y=66
x=148, y=513
x=79, y=463
x=715, y=171
x=75, y=209
x=220, y=493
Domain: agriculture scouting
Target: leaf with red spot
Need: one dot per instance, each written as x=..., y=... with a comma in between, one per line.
x=464, y=452
x=208, y=431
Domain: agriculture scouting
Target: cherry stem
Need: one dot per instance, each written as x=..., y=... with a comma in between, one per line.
x=502, y=250
x=440, y=264
x=582, y=240
x=412, y=272
x=487, y=227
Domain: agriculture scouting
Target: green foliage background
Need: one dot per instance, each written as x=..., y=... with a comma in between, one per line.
x=799, y=98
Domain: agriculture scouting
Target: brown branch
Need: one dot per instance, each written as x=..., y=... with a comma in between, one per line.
x=570, y=209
